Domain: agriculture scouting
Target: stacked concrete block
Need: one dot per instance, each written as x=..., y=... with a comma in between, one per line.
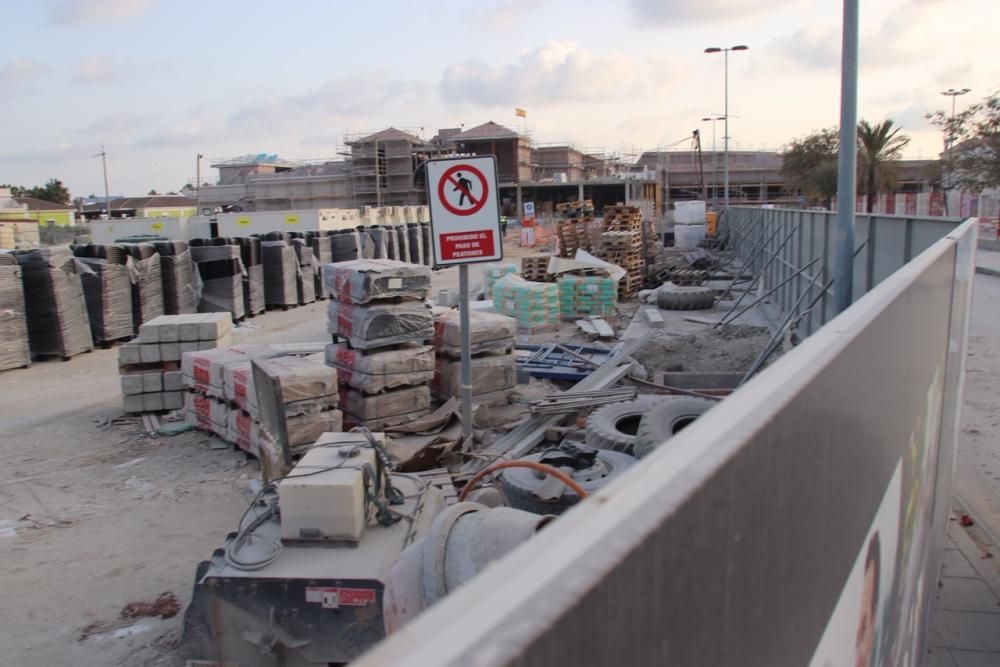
x=493, y=362
x=377, y=309
x=14, y=349
x=150, y=365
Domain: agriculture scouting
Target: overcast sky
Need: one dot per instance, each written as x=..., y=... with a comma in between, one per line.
x=159, y=81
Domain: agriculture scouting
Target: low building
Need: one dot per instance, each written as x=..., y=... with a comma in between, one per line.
x=41, y=211
x=154, y=206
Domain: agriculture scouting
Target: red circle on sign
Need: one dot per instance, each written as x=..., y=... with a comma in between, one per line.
x=447, y=178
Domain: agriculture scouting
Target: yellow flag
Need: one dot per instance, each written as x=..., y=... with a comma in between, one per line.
x=520, y=113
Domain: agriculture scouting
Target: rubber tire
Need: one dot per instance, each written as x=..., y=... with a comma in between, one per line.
x=665, y=420
x=518, y=484
x=602, y=431
x=685, y=298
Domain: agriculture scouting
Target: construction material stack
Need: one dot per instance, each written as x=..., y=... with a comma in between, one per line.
x=380, y=325
x=319, y=242
x=621, y=243
x=150, y=365
x=689, y=224
x=305, y=286
x=221, y=272
x=587, y=296
x=280, y=274
x=177, y=272
x=253, y=274
x=493, y=362
x=573, y=226
x=345, y=245
x=535, y=306
x=14, y=349
x=147, y=283
x=54, y=305
x=536, y=268
x=492, y=274
x=106, y=276
x=418, y=251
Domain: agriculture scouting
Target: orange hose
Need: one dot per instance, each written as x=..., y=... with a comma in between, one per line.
x=534, y=465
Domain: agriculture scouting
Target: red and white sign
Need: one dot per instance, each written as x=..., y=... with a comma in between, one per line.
x=464, y=203
x=334, y=598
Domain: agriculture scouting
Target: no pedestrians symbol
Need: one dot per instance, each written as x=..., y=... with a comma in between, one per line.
x=463, y=189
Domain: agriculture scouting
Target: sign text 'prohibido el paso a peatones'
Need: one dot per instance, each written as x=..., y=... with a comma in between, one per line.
x=464, y=204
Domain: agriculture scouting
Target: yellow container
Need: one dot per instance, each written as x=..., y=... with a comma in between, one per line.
x=711, y=219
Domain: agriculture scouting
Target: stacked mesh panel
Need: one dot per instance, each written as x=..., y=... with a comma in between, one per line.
x=147, y=283
x=253, y=278
x=107, y=274
x=177, y=273
x=280, y=269
x=220, y=269
x=14, y=349
x=53, y=297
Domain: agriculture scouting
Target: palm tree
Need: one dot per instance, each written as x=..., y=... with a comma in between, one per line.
x=879, y=146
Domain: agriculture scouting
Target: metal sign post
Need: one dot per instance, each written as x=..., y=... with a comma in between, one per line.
x=463, y=198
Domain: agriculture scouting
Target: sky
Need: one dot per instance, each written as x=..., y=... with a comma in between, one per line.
x=158, y=81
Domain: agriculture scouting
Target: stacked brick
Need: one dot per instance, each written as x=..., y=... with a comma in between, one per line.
x=493, y=362
x=621, y=244
x=380, y=325
x=573, y=226
x=150, y=365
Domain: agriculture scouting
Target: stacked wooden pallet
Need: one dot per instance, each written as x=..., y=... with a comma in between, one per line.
x=622, y=245
x=536, y=268
x=573, y=227
x=576, y=209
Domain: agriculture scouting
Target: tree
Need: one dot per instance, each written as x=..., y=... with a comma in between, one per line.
x=53, y=191
x=152, y=193
x=810, y=166
x=879, y=148
x=974, y=136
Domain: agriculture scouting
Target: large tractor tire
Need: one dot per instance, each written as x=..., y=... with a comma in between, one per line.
x=614, y=426
x=675, y=297
x=667, y=419
x=519, y=484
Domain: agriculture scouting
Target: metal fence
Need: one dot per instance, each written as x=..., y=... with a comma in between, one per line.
x=790, y=253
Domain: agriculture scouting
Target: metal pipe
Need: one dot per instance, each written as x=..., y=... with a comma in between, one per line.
x=847, y=161
x=766, y=294
x=466, y=368
x=757, y=278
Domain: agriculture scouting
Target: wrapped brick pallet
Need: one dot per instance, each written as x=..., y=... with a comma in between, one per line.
x=365, y=280
x=178, y=275
x=147, y=283
x=14, y=349
x=106, y=275
x=319, y=242
x=221, y=272
x=376, y=371
x=54, y=304
x=376, y=324
x=305, y=275
x=253, y=274
x=488, y=332
x=280, y=269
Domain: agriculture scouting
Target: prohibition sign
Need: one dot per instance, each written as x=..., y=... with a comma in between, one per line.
x=449, y=178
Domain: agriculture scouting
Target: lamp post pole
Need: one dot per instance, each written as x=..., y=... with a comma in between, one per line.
x=725, y=139
x=949, y=139
x=715, y=161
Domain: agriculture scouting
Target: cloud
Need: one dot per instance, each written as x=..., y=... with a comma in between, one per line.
x=82, y=12
x=116, y=123
x=813, y=47
x=103, y=68
x=556, y=72
x=503, y=14
x=20, y=75
x=665, y=12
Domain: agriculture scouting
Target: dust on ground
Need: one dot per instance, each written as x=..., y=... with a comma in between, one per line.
x=728, y=349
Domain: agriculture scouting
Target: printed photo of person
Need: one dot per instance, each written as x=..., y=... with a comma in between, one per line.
x=868, y=616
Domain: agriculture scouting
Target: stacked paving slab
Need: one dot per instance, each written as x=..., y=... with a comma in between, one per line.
x=380, y=326
x=150, y=365
x=221, y=272
x=147, y=283
x=493, y=362
x=58, y=325
x=253, y=274
x=221, y=398
x=14, y=349
x=106, y=275
x=281, y=267
x=177, y=273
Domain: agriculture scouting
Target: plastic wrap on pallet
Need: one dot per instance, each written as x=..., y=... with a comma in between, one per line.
x=204, y=371
x=54, y=303
x=243, y=431
x=533, y=305
x=306, y=384
x=377, y=238
x=425, y=236
x=487, y=332
x=221, y=272
x=366, y=280
x=305, y=429
x=404, y=401
x=253, y=274
x=490, y=373
x=380, y=324
x=147, y=283
x=280, y=269
x=585, y=296
x=207, y=413
x=346, y=245
x=178, y=275
x=494, y=273
x=14, y=348
x=415, y=242
x=410, y=364
x=322, y=255
x=107, y=289
x=305, y=276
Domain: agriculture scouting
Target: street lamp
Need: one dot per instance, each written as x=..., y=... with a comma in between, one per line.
x=950, y=138
x=725, y=114
x=715, y=167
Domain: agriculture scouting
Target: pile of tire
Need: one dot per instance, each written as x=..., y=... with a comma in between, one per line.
x=519, y=484
x=637, y=427
x=675, y=297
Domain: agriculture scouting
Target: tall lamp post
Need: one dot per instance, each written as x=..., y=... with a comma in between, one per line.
x=725, y=138
x=949, y=140
x=715, y=168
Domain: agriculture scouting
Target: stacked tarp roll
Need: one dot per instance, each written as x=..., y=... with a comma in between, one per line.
x=54, y=304
x=345, y=245
x=106, y=274
x=305, y=276
x=180, y=294
x=319, y=242
x=14, y=349
x=280, y=269
x=425, y=235
x=221, y=272
x=253, y=277
x=147, y=285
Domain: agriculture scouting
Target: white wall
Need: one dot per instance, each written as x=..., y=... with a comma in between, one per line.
x=182, y=229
